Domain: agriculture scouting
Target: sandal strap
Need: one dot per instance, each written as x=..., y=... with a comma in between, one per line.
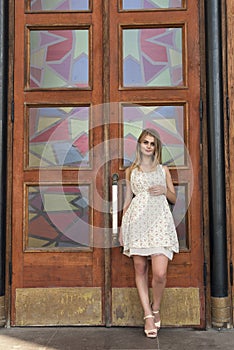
x=148, y=316
x=155, y=312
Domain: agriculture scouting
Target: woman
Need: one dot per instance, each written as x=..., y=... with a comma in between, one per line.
x=148, y=228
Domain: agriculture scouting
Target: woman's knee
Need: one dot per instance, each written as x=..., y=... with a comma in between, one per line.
x=160, y=277
x=141, y=267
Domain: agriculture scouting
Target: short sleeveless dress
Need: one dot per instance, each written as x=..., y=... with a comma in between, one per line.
x=147, y=226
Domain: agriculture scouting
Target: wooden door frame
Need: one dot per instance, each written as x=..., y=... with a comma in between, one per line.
x=106, y=98
x=10, y=127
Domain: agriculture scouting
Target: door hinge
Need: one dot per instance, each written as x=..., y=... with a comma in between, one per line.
x=231, y=273
x=205, y=274
x=12, y=111
x=10, y=273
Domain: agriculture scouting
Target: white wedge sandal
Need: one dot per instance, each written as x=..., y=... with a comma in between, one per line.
x=151, y=333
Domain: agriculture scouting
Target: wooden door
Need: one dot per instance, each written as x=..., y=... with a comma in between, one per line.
x=88, y=76
x=57, y=263
x=155, y=81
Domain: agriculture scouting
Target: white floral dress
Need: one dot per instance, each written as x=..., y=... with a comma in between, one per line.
x=147, y=226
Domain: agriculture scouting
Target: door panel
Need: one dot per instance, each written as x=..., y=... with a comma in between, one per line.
x=55, y=223
x=154, y=79
x=88, y=76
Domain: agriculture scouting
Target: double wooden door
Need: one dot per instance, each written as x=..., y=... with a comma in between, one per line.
x=88, y=77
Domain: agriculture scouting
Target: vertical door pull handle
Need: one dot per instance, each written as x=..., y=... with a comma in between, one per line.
x=115, y=178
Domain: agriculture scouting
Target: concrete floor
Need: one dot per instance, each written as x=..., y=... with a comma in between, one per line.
x=100, y=338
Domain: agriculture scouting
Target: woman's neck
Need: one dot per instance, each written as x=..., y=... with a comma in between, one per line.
x=146, y=164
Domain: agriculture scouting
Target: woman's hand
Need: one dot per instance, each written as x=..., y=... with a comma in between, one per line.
x=157, y=190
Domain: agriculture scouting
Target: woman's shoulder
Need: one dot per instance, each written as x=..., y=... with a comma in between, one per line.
x=164, y=169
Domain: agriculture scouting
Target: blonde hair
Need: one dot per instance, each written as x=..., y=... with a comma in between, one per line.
x=156, y=157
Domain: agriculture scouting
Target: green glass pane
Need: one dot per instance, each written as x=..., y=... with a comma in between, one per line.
x=59, y=59
x=59, y=137
x=59, y=5
x=58, y=217
x=167, y=120
x=152, y=57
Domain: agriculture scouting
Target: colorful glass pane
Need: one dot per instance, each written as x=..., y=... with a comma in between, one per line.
x=59, y=5
x=59, y=58
x=59, y=137
x=167, y=120
x=151, y=4
x=179, y=212
x=152, y=57
x=58, y=217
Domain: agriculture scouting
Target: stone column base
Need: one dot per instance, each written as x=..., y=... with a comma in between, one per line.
x=2, y=312
x=221, y=312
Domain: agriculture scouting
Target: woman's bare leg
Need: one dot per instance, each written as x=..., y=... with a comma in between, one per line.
x=141, y=278
x=159, y=279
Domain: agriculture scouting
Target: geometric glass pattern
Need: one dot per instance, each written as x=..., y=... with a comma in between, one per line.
x=179, y=212
x=152, y=57
x=58, y=217
x=151, y=4
x=167, y=120
x=59, y=5
x=59, y=58
x=59, y=136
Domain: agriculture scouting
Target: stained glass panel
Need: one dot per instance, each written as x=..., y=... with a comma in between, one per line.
x=167, y=120
x=179, y=211
x=59, y=5
x=58, y=217
x=59, y=58
x=152, y=57
x=59, y=136
x=151, y=4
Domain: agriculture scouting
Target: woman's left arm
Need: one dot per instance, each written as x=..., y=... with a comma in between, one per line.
x=170, y=193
